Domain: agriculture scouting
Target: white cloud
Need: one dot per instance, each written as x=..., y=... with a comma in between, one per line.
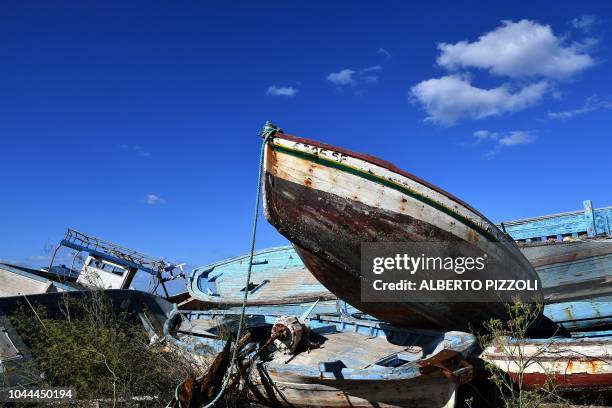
x=451, y=98
x=516, y=138
x=153, y=199
x=513, y=138
x=485, y=134
x=343, y=77
x=504, y=139
x=521, y=49
x=281, y=90
x=373, y=68
x=591, y=104
x=584, y=23
x=349, y=77
x=384, y=52
x=136, y=149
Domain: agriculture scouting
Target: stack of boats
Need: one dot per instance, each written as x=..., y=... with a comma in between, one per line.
x=327, y=201
x=314, y=342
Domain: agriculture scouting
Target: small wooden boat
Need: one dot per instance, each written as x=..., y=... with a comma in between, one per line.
x=278, y=276
x=347, y=362
x=328, y=201
x=580, y=362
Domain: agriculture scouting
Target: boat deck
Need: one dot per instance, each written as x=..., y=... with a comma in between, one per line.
x=356, y=350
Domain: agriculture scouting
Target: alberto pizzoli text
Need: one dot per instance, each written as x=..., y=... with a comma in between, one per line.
x=457, y=285
x=411, y=265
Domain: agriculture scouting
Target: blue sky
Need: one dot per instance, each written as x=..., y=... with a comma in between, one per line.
x=138, y=121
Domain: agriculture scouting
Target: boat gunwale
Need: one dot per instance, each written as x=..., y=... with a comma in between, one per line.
x=487, y=231
x=382, y=163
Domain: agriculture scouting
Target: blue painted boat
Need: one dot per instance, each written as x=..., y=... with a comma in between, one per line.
x=278, y=277
x=577, y=280
x=586, y=223
x=343, y=361
x=575, y=276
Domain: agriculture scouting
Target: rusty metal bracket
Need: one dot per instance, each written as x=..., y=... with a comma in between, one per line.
x=451, y=364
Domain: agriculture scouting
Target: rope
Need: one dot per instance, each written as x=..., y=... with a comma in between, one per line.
x=267, y=133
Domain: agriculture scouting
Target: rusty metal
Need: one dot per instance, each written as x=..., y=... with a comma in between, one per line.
x=198, y=392
x=279, y=331
x=451, y=364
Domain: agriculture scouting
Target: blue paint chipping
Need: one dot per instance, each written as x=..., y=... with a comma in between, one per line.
x=588, y=222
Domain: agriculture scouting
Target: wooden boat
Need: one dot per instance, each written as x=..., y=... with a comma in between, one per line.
x=569, y=266
x=580, y=362
x=328, y=201
x=589, y=222
x=577, y=280
x=217, y=286
x=355, y=363
x=278, y=277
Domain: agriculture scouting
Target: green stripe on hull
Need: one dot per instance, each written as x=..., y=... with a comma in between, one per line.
x=387, y=183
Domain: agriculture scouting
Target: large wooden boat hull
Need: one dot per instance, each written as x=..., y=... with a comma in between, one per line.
x=567, y=363
x=327, y=201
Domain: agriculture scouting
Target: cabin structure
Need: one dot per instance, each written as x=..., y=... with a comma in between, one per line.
x=109, y=265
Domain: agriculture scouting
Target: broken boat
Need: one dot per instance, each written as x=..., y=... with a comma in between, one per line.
x=580, y=362
x=19, y=280
x=572, y=253
x=278, y=277
x=560, y=265
x=576, y=279
x=336, y=361
x=328, y=201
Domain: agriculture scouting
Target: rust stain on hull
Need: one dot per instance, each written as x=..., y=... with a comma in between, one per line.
x=327, y=232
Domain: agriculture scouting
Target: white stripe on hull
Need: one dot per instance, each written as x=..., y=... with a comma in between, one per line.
x=352, y=187
x=591, y=357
